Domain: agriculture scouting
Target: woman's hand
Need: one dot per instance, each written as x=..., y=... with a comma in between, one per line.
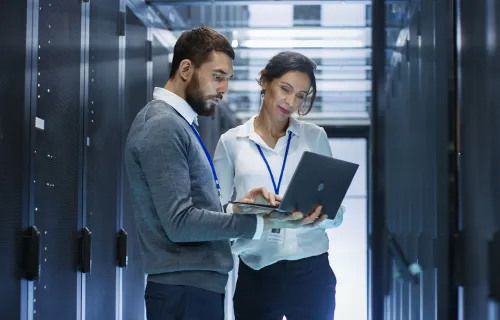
x=295, y=220
x=259, y=196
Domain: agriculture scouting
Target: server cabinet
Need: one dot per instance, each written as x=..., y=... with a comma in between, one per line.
x=136, y=93
x=14, y=131
x=102, y=157
x=479, y=69
x=161, y=64
x=420, y=175
x=427, y=81
x=210, y=130
x=57, y=157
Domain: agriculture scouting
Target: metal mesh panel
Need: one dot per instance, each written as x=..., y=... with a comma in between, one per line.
x=12, y=129
x=417, y=168
x=210, y=131
x=427, y=178
x=161, y=65
x=135, y=100
x=56, y=161
x=479, y=148
x=103, y=154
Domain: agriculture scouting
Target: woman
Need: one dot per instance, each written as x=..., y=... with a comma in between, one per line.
x=286, y=272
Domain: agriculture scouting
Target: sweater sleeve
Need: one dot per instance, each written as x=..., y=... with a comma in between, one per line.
x=163, y=157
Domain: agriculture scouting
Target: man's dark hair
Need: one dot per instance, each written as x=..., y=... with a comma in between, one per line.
x=285, y=62
x=197, y=44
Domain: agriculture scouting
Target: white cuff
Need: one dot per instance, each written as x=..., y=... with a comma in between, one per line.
x=335, y=223
x=260, y=227
x=229, y=208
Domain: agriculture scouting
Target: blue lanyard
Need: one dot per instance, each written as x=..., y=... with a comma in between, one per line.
x=276, y=187
x=208, y=158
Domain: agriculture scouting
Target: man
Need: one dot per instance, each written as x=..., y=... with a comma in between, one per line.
x=183, y=235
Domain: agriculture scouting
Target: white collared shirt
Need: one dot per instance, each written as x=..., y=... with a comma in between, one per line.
x=180, y=105
x=241, y=168
x=187, y=112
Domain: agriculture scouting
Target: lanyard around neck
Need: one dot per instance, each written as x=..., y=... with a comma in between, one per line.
x=276, y=187
x=208, y=158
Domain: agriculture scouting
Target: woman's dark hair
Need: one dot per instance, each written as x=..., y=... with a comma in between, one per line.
x=288, y=61
x=197, y=44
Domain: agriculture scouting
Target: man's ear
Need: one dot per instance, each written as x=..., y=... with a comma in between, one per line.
x=186, y=69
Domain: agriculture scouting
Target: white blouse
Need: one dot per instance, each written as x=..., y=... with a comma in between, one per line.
x=240, y=168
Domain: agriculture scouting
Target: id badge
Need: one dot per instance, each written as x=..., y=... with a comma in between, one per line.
x=276, y=236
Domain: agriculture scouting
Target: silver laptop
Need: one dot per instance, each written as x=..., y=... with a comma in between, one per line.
x=318, y=180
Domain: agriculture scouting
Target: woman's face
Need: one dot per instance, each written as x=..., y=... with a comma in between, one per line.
x=284, y=96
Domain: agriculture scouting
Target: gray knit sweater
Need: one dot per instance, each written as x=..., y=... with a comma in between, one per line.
x=183, y=235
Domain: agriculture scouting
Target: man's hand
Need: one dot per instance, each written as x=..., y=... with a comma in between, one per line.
x=255, y=194
x=277, y=220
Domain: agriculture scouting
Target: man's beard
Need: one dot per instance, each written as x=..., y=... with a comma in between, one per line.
x=203, y=106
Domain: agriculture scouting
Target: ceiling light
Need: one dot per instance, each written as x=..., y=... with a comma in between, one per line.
x=302, y=43
x=334, y=54
x=322, y=85
x=308, y=33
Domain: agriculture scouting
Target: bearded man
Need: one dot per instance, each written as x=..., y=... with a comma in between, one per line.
x=183, y=230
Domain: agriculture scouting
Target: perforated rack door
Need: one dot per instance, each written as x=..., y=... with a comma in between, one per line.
x=103, y=154
x=479, y=115
x=418, y=175
x=12, y=131
x=57, y=158
x=135, y=100
x=161, y=64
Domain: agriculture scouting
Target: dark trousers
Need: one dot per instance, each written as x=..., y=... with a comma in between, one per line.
x=300, y=290
x=169, y=302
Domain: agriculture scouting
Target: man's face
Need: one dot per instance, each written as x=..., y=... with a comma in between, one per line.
x=209, y=83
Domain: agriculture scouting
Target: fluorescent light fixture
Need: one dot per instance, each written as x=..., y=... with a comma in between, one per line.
x=404, y=34
x=326, y=97
x=360, y=99
x=345, y=54
x=165, y=37
x=349, y=97
x=235, y=43
x=342, y=76
x=261, y=43
x=265, y=14
x=322, y=85
x=307, y=33
x=346, y=14
x=325, y=118
x=324, y=68
x=338, y=74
